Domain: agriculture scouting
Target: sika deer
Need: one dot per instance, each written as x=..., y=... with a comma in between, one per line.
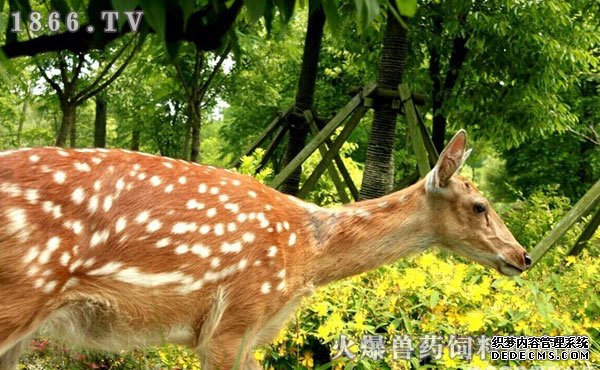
x=111, y=249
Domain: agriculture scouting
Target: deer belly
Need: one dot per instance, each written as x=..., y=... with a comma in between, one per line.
x=97, y=326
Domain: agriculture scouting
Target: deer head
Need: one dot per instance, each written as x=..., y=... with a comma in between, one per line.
x=464, y=221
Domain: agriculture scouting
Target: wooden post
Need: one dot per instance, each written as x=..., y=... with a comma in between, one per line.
x=321, y=136
x=414, y=131
x=431, y=151
x=339, y=185
x=338, y=162
x=279, y=135
x=333, y=150
x=582, y=207
x=264, y=134
x=586, y=235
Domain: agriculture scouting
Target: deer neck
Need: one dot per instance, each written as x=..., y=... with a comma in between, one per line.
x=368, y=234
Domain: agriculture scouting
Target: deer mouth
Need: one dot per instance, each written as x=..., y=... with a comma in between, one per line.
x=508, y=269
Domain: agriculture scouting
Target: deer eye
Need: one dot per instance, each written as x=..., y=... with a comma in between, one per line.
x=479, y=208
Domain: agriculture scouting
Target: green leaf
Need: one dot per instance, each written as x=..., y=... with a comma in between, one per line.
x=434, y=299
x=61, y=6
x=407, y=8
x=286, y=8
x=331, y=8
x=269, y=15
x=154, y=15
x=187, y=8
x=255, y=9
x=124, y=6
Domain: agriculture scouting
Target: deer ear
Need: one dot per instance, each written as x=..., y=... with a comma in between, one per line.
x=450, y=161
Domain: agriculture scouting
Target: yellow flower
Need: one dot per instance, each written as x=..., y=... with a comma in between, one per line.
x=570, y=260
x=359, y=320
x=320, y=308
x=259, y=355
x=475, y=320
x=427, y=260
x=448, y=361
x=478, y=363
x=307, y=360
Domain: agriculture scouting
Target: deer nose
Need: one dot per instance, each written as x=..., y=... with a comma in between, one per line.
x=527, y=260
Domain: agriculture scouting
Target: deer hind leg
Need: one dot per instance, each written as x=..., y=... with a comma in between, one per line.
x=223, y=343
x=10, y=357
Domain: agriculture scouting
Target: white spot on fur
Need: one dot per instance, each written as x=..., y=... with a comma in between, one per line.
x=231, y=227
x=212, y=212
x=167, y=164
x=236, y=182
x=155, y=181
x=292, y=239
x=169, y=188
x=164, y=242
x=248, y=237
x=64, y=259
x=154, y=226
x=215, y=262
x=32, y=254
x=49, y=287
x=223, y=198
x=252, y=194
x=214, y=190
x=32, y=196
x=201, y=250
x=202, y=188
x=108, y=269
x=120, y=225
x=182, y=249
x=265, y=288
x=184, y=227
x=83, y=167
x=78, y=196
x=231, y=247
x=204, y=229
x=232, y=207
x=93, y=204
x=219, y=229
x=34, y=158
x=96, y=160
x=193, y=204
x=242, y=217
x=272, y=251
x=142, y=217
x=99, y=237
x=59, y=177
x=108, y=202
x=120, y=185
x=182, y=180
x=97, y=185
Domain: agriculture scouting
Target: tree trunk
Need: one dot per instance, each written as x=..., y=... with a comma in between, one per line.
x=186, y=139
x=443, y=85
x=100, y=122
x=439, y=120
x=22, y=116
x=135, y=139
x=67, y=122
x=196, y=121
x=304, y=95
x=378, y=177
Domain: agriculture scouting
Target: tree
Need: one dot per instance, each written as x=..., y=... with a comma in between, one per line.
x=304, y=93
x=71, y=88
x=200, y=88
x=378, y=176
